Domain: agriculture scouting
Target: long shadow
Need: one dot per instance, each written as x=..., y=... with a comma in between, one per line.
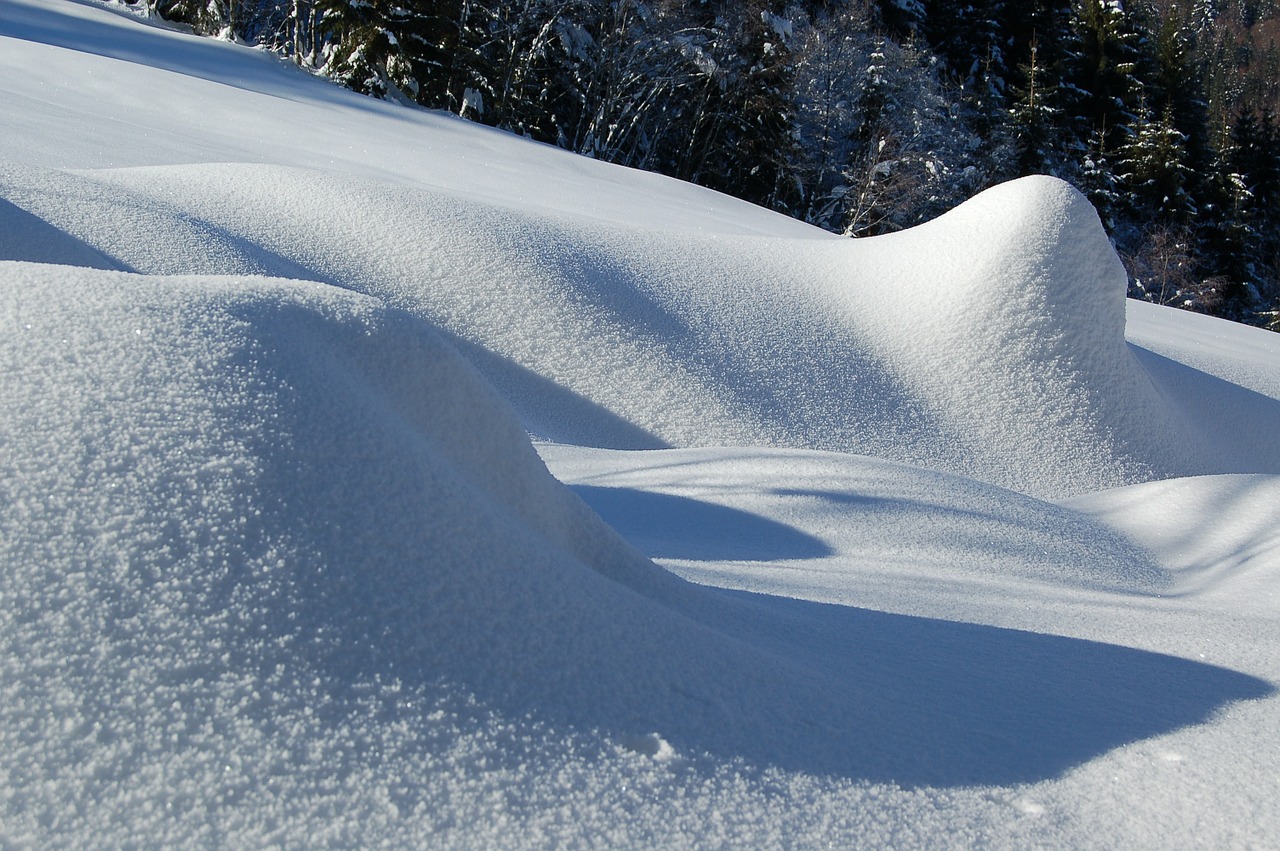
x=398, y=590
x=25, y=236
x=666, y=526
x=1224, y=408
x=820, y=689
x=941, y=703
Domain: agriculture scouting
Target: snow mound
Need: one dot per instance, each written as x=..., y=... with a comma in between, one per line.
x=277, y=570
x=896, y=346
x=273, y=551
x=693, y=505
x=1219, y=533
x=237, y=515
x=1014, y=302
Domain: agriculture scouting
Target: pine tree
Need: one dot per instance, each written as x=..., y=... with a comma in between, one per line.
x=391, y=47
x=1100, y=86
x=1256, y=154
x=913, y=157
x=523, y=65
x=205, y=17
x=902, y=18
x=1228, y=239
x=832, y=49
x=728, y=113
x=1174, y=80
x=1033, y=119
x=634, y=73
x=966, y=37
x=1098, y=179
x=1153, y=170
x=1256, y=159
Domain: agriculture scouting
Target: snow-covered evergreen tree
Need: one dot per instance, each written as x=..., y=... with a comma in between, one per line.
x=914, y=156
x=1153, y=169
x=391, y=47
x=1100, y=88
x=1034, y=119
x=1098, y=178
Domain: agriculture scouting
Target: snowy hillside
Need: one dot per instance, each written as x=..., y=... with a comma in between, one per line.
x=288, y=373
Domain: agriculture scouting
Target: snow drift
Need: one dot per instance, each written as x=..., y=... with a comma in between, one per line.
x=269, y=535
x=280, y=565
x=614, y=308
x=897, y=347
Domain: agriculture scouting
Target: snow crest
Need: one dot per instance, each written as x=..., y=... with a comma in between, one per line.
x=894, y=346
x=1014, y=302
x=279, y=565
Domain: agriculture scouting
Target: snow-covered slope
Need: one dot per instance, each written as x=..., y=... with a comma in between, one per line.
x=280, y=564
x=613, y=308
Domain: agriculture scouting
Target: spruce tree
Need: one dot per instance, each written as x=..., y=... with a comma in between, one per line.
x=386, y=47
x=1100, y=86
x=1228, y=238
x=1098, y=179
x=1033, y=118
x=1153, y=170
x=833, y=48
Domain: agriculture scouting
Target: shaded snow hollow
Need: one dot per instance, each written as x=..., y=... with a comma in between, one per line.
x=281, y=564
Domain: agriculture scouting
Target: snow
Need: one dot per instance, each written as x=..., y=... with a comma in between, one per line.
x=927, y=539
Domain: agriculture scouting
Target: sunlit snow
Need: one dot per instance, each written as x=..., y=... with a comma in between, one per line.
x=372, y=478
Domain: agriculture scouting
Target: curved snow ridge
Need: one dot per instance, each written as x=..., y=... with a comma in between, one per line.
x=988, y=343
x=827, y=511
x=1218, y=534
x=232, y=373
x=1007, y=316
x=254, y=528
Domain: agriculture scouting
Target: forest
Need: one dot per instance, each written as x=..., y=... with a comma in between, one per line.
x=863, y=116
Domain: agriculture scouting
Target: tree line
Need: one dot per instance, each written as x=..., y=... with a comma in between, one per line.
x=862, y=116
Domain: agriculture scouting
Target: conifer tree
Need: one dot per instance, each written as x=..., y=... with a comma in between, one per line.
x=1098, y=179
x=1174, y=80
x=1256, y=154
x=386, y=47
x=1033, y=118
x=833, y=48
x=524, y=64
x=1153, y=169
x=902, y=18
x=1228, y=239
x=1099, y=76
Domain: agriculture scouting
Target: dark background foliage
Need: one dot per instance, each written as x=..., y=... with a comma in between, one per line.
x=863, y=116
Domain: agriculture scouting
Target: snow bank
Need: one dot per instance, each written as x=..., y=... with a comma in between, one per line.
x=1213, y=532
x=610, y=307
x=273, y=552
x=242, y=520
x=897, y=346
x=279, y=568
x=856, y=518
x=1014, y=302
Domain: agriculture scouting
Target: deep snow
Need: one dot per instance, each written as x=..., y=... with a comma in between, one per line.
x=281, y=564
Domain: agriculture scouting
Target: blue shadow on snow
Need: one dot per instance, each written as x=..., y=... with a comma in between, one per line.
x=666, y=526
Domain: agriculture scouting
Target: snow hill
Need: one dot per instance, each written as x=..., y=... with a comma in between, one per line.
x=282, y=565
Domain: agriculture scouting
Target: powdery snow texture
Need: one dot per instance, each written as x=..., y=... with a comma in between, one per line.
x=635, y=313
x=898, y=347
x=281, y=565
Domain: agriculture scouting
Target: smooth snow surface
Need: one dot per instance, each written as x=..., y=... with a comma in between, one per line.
x=946, y=550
